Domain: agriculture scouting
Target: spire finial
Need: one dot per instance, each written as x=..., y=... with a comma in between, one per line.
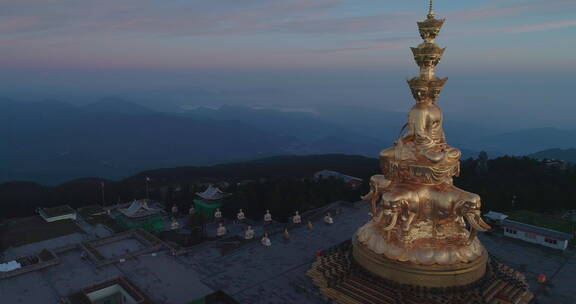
x=430, y=11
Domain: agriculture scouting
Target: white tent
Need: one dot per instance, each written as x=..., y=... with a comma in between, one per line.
x=324, y=174
x=12, y=265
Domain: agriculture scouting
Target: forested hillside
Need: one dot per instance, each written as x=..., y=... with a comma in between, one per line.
x=281, y=184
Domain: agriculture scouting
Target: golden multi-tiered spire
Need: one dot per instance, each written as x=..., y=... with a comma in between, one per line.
x=427, y=55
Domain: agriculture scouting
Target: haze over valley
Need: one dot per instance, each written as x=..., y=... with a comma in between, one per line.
x=51, y=141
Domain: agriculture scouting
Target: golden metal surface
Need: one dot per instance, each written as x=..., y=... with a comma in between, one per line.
x=419, y=216
x=456, y=274
x=420, y=245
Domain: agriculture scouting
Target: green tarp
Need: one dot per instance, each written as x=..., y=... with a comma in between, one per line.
x=152, y=224
x=206, y=209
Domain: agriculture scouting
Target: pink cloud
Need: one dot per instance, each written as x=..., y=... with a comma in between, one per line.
x=508, y=11
x=360, y=48
x=18, y=23
x=528, y=28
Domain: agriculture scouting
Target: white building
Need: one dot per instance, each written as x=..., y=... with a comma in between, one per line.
x=59, y=213
x=351, y=180
x=537, y=235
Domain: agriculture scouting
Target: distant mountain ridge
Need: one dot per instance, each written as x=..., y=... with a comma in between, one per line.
x=52, y=141
x=524, y=142
x=116, y=105
x=568, y=155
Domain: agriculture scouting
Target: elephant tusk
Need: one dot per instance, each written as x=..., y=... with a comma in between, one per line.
x=392, y=222
x=483, y=223
x=473, y=223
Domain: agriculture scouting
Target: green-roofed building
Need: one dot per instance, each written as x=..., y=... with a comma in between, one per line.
x=206, y=208
x=209, y=201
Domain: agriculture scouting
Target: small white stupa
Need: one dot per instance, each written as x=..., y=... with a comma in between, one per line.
x=267, y=217
x=217, y=214
x=296, y=219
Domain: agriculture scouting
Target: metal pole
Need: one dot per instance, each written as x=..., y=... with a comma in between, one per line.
x=102, y=190
x=147, y=191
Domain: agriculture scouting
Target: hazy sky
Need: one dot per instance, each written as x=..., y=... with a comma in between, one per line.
x=510, y=62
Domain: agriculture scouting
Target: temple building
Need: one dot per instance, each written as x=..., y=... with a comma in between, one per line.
x=421, y=245
x=140, y=209
x=209, y=200
x=141, y=214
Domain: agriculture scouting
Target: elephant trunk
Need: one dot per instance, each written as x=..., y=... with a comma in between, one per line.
x=392, y=222
x=368, y=196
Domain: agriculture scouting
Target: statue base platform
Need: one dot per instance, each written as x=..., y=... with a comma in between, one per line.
x=341, y=278
x=420, y=275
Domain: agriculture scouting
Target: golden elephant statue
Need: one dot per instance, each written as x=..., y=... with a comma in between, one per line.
x=441, y=203
x=378, y=184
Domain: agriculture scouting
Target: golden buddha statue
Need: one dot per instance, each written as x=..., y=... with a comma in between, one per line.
x=420, y=245
x=419, y=216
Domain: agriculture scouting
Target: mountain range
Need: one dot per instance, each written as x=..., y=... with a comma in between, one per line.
x=567, y=155
x=51, y=141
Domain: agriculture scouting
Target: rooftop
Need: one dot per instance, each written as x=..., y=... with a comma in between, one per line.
x=212, y=193
x=141, y=208
x=496, y=216
x=338, y=175
x=29, y=230
x=58, y=211
x=540, y=230
x=544, y=221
